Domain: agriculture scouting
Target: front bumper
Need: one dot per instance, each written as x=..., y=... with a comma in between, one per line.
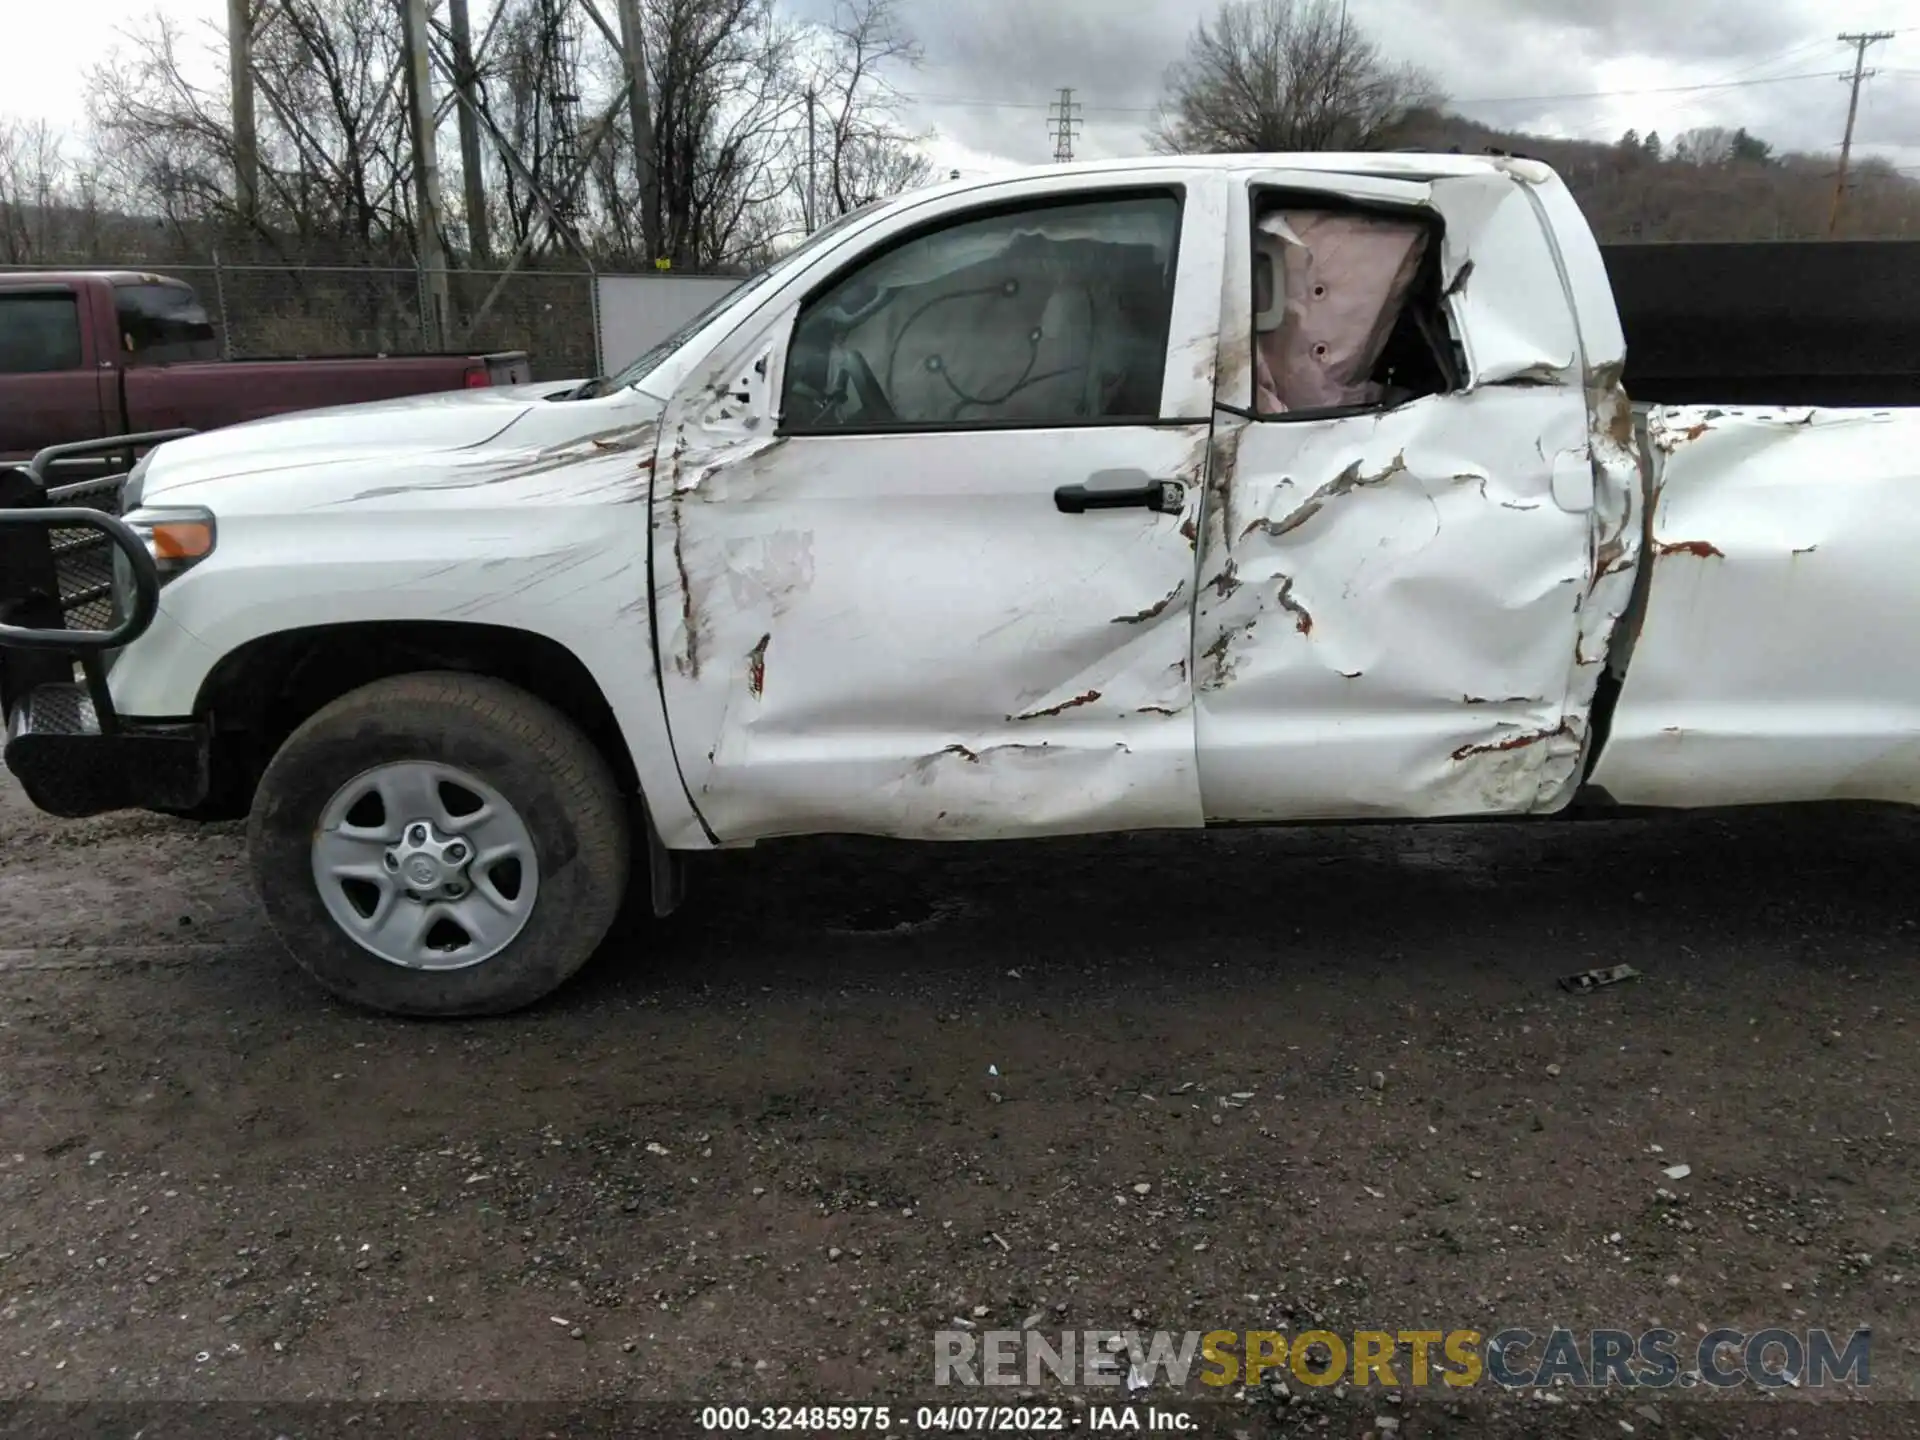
x=61, y=612
x=70, y=768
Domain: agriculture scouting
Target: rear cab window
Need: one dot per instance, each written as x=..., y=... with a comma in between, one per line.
x=39, y=332
x=161, y=324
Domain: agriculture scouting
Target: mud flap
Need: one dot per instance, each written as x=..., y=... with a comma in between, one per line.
x=666, y=869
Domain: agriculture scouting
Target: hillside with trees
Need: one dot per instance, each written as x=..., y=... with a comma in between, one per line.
x=1304, y=75
x=1708, y=183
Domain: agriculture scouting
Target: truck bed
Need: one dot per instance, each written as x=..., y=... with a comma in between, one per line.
x=210, y=393
x=1827, y=323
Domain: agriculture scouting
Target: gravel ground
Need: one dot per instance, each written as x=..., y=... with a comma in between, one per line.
x=857, y=1093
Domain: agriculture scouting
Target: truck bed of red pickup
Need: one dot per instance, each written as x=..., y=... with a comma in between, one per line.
x=94, y=353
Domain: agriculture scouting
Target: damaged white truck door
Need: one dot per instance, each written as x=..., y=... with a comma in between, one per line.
x=922, y=531
x=1401, y=529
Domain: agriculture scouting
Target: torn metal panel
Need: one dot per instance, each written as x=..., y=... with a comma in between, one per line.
x=1614, y=538
x=1778, y=659
x=1511, y=313
x=1388, y=606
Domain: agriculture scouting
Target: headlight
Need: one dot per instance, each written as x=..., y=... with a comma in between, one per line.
x=178, y=538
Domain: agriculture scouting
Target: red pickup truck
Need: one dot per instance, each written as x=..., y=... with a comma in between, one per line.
x=90, y=354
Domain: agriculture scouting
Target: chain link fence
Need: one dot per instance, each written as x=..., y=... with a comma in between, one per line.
x=267, y=312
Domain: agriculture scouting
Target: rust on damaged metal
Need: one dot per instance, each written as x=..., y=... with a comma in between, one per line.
x=757, y=667
x=1083, y=699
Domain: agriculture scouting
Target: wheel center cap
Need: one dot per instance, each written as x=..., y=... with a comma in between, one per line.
x=423, y=871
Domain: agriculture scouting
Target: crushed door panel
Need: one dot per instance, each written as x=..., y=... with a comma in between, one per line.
x=1391, y=601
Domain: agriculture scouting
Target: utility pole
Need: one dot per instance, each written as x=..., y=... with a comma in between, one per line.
x=1063, y=123
x=246, y=153
x=1860, y=40
x=479, y=242
x=811, y=99
x=421, y=120
x=633, y=53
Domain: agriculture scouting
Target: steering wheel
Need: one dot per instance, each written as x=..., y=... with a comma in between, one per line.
x=867, y=390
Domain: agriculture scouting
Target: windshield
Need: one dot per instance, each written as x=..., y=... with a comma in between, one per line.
x=647, y=363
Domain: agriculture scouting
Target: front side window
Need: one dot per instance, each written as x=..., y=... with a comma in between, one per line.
x=160, y=324
x=1347, y=312
x=39, y=334
x=1048, y=316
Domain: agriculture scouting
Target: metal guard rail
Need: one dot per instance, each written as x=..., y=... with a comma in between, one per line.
x=78, y=449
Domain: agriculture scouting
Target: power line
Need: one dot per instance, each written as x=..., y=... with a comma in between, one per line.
x=1667, y=112
x=1047, y=105
x=1651, y=90
x=1052, y=106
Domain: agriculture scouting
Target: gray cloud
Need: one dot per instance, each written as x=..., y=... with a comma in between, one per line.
x=1491, y=55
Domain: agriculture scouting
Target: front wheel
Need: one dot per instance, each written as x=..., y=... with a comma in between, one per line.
x=439, y=845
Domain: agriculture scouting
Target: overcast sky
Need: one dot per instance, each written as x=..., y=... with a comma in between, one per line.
x=993, y=65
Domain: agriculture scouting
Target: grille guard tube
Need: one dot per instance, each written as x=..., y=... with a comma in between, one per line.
x=52, y=455
x=146, y=582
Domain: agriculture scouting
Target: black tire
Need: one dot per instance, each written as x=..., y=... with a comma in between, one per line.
x=532, y=754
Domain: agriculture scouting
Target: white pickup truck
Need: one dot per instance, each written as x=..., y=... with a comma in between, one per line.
x=1172, y=492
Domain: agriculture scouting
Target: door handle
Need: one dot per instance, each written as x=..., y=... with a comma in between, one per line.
x=1121, y=490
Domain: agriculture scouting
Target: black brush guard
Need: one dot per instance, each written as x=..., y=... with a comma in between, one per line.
x=58, y=630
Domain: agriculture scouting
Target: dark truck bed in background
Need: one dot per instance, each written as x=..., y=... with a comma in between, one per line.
x=89, y=354
x=1770, y=323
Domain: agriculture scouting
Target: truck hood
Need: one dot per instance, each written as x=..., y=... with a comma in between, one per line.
x=380, y=433
x=379, y=438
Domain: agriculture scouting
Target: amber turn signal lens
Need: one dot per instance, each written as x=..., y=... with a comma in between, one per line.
x=181, y=540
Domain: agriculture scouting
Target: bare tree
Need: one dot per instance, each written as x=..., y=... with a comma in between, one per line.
x=328, y=72
x=724, y=99
x=1704, y=145
x=855, y=149
x=163, y=145
x=533, y=85
x=1281, y=75
x=724, y=103
x=34, y=191
x=332, y=134
x=733, y=93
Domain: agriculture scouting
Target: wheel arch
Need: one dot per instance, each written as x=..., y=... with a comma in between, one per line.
x=257, y=694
